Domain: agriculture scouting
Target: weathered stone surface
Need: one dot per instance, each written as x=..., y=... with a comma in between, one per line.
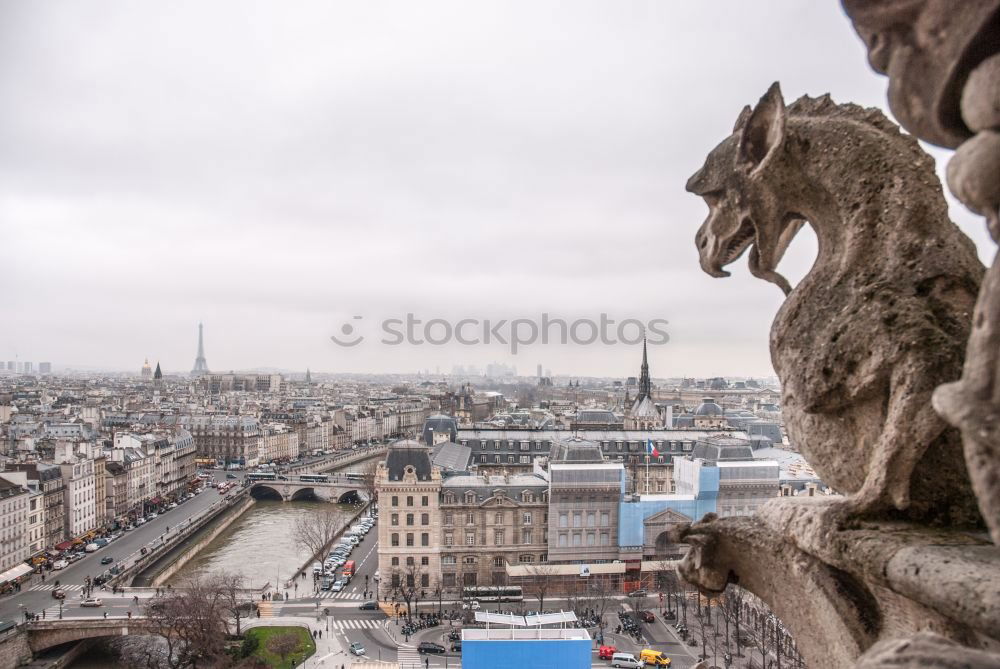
x=941, y=60
x=842, y=591
x=882, y=317
x=927, y=48
x=925, y=650
x=981, y=96
x=974, y=176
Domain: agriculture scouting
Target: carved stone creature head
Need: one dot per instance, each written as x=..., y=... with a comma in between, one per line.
x=927, y=48
x=742, y=181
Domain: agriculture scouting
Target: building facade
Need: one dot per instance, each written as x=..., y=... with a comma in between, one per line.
x=408, y=489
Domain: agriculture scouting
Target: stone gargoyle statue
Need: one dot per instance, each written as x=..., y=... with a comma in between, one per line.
x=882, y=317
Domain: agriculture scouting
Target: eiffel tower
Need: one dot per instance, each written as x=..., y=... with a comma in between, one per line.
x=200, y=366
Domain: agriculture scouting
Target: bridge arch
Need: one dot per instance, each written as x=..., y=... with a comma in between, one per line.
x=44, y=635
x=264, y=491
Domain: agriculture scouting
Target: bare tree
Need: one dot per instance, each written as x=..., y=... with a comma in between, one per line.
x=283, y=645
x=190, y=622
x=602, y=593
x=406, y=585
x=732, y=610
x=234, y=596
x=670, y=586
x=542, y=580
x=703, y=627
x=316, y=531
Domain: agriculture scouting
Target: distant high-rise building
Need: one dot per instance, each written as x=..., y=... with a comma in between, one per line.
x=147, y=371
x=309, y=378
x=200, y=366
x=538, y=373
x=45, y=368
x=29, y=367
x=11, y=366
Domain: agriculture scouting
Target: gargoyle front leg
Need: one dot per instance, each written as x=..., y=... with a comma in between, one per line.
x=909, y=428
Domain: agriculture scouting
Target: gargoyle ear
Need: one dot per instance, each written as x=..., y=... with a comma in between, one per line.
x=741, y=121
x=763, y=132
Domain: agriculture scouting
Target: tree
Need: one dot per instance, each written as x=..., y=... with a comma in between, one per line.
x=283, y=645
x=406, y=585
x=316, y=531
x=542, y=580
x=234, y=596
x=602, y=593
x=190, y=626
x=732, y=610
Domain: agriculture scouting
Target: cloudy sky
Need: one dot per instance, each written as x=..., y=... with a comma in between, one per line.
x=276, y=169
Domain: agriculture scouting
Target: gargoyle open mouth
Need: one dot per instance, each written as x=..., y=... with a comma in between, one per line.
x=739, y=243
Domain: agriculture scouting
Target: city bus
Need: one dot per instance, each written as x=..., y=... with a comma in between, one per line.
x=262, y=476
x=348, y=569
x=314, y=478
x=493, y=593
x=351, y=476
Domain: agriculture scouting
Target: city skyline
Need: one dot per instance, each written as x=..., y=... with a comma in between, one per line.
x=365, y=171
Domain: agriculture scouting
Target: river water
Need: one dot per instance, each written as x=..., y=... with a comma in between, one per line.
x=259, y=545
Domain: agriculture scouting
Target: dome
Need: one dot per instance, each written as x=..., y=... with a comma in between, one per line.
x=708, y=407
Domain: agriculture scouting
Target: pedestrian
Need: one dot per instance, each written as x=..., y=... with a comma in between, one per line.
x=130, y=614
x=43, y=614
x=105, y=615
x=321, y=634
x=135, y=599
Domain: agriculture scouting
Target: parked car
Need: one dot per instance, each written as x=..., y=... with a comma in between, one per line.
x=430, y=647
x=92, y=602
x=637, y=593
x=625, y=661
x=369, y=606
x=472, y=606
x=230, y=476
x=357, y=648
x=606, y=652
x=90, y=548
x=60, y=564
x=107, y=559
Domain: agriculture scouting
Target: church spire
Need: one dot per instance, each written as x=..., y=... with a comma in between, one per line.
x=645, y=387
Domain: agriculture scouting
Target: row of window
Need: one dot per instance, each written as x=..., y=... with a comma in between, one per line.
x=498, y=518
x=424, y=500
x=578, y=519
x=498, y=561
x=425, y=519
x=499, y=537
x=577, y=539
x=425, y=539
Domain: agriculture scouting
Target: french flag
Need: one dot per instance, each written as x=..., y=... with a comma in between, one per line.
x=651, y=449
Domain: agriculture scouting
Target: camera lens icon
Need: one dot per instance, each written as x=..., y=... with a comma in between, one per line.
x=348, y=337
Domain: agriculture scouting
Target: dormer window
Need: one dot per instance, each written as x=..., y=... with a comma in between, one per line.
x=470, y=497
x=527, y=496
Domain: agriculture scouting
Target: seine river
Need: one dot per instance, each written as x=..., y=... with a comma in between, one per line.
x=259, y=545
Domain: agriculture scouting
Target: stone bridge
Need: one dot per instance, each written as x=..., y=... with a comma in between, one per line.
x=43, y=634
x=337, y=489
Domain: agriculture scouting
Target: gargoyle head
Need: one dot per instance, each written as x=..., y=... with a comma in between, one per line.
x=742, y=182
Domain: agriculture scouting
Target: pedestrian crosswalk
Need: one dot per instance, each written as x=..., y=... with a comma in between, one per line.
x=408, y=657
x=53, y=586
x=343, y=594
x=265, y=609
x=356, y=624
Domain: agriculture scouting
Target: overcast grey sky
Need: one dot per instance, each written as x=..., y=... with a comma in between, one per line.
x=274, y=169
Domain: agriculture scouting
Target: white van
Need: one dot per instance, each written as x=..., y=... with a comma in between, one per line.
x=625, y=660
x=317, y=567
